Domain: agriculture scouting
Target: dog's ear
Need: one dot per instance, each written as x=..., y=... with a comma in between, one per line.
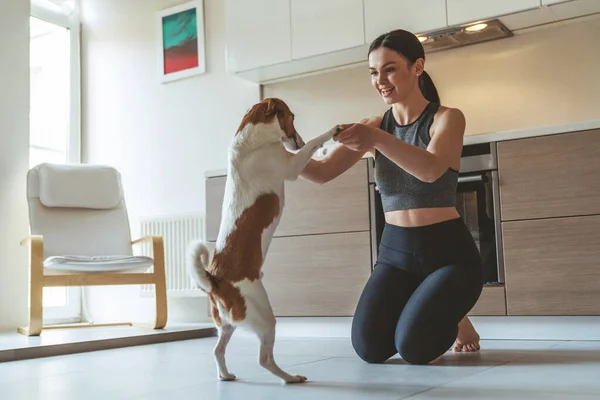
x=272, y=107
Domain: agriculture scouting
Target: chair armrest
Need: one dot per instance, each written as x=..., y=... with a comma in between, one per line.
x=158, y=251
x=144, y=239
x=36, y=253
x=33, y=239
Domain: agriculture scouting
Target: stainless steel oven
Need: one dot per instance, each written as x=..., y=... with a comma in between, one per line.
x=477, y=201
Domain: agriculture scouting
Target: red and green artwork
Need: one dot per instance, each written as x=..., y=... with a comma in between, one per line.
x=180, y=41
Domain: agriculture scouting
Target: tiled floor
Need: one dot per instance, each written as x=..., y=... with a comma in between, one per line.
x=185, y=370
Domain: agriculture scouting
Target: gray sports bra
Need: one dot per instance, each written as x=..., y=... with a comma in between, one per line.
x=402, y=191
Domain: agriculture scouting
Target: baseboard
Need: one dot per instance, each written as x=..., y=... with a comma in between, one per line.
x=489, y=328
x=538, y=328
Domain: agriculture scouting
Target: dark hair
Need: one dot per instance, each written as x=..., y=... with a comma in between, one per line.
x=409, y=46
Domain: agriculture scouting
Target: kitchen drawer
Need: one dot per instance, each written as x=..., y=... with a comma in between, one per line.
x=552, y=266
x=341, y=205
x=550, y=176
x=491, y=302
x=317, y=275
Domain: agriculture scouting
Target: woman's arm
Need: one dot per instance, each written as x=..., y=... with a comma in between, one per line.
x=443, y=152
x=338, y=161
x=332, y=166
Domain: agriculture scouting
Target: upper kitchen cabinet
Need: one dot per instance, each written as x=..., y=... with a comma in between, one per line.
x=258, y=33
x=324, y=26
x=464, y=11
x=416, y=16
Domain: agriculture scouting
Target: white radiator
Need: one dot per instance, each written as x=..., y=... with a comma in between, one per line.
x=177, y=232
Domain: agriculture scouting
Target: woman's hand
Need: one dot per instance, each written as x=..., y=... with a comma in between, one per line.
x=358, y=137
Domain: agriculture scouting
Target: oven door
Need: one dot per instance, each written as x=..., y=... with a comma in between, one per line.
x=475, y=204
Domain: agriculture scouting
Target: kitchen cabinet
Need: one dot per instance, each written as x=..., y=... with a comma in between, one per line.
x=464, y=11
x=552, y=266
x=214, y=193
x=258, y=33
x=324, y=26
x=382, y=16
x=550, y=176
x=492, y=301
x=341, y=205
x=317, y=275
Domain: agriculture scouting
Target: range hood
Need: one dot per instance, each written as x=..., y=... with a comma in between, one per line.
x=464, y=36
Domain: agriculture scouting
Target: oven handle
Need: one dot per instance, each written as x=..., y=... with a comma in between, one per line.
x=473, y=178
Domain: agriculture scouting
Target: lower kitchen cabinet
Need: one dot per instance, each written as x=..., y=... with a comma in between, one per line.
x=492, y=301
x=317, y=275
x=552, y=266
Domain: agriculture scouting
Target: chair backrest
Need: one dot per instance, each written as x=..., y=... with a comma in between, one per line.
x=79, y=209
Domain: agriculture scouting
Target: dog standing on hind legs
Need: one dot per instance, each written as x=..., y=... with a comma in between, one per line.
x=258, y=166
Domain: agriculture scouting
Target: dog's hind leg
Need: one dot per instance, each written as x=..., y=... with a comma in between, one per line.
x=267, y=361
x=225, y=332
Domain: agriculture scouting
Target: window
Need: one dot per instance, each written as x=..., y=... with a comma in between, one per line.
x=54, y=116
x=49, y=93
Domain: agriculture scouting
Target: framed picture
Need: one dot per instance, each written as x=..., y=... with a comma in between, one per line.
x=181, y=43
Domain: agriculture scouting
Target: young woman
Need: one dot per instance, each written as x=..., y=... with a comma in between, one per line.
x=428, y=274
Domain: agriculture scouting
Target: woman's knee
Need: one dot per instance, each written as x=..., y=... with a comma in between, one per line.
x=370, y=352
x=368, y=347
x=415, y=349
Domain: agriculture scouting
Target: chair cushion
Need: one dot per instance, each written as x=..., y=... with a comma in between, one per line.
x=79, y=186
x=77, y=263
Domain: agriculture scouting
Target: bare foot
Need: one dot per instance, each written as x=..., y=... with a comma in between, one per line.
x=468, y=338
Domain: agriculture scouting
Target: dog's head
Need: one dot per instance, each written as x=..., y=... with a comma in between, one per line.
x=272, y=109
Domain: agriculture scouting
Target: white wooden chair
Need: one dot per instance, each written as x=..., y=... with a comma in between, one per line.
x=80, y=236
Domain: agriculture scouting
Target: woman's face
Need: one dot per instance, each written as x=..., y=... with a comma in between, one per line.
x=392, y=75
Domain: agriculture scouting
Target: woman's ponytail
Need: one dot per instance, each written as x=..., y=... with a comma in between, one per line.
x=428, y=88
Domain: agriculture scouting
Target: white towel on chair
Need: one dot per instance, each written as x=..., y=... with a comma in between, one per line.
x=97, y=263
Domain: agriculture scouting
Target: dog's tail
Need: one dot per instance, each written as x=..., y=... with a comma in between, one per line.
x=197, y=261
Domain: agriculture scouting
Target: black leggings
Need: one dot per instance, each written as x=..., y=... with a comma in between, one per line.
x=425, y=280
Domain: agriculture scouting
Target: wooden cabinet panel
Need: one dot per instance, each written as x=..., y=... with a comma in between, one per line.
x=491, y=302
x=317, y=275
x=341, y=205
x=382, y=16
x=214, y=192
x=257, y=37
x=464, y=11
x=323, y=26
x=552, y=266
x=550, y=176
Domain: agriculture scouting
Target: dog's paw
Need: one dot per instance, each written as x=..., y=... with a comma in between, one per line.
x=296, y=379
x=227, y=377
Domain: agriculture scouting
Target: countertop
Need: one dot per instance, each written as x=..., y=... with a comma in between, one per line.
x=499, y=136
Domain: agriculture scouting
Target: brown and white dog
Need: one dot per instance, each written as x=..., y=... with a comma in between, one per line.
x=258, y=166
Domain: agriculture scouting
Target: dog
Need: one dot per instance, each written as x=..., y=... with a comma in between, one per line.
x=258, y=167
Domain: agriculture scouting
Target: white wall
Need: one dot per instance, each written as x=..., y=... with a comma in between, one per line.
x=14, y=160
x=544, y=77
x=162, y=137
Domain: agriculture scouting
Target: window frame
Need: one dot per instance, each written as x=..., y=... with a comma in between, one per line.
x=51, y=13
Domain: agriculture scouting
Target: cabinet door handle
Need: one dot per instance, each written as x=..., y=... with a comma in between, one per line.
x=473, y=178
